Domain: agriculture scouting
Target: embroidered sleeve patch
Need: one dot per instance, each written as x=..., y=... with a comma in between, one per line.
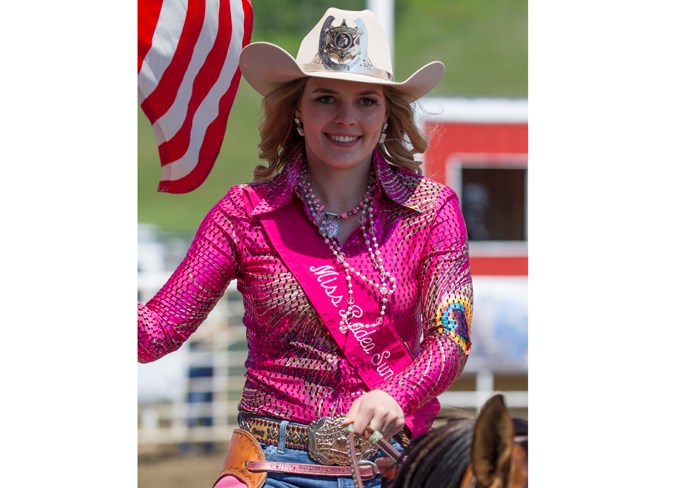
x=454, y=317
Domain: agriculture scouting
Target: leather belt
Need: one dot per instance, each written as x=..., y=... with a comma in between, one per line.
x=267, y=431
x=367, y=469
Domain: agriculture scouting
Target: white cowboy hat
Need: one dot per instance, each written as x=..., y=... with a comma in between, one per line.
x=344, y=44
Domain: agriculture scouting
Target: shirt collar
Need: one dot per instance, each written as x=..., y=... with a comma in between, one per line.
x=281, y=188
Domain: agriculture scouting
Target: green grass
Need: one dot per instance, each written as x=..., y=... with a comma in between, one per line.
x=482, y=43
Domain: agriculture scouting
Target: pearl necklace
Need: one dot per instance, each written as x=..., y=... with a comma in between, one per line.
x=386, y=287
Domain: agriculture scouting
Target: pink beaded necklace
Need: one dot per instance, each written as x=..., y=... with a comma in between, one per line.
x=329, y=229
x=329, y=223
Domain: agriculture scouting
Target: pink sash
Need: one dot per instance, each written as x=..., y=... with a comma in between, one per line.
x=377, y=353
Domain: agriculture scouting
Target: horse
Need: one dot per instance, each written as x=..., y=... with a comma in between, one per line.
x=487, y=451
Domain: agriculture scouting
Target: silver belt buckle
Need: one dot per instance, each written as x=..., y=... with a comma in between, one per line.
x=328, y=443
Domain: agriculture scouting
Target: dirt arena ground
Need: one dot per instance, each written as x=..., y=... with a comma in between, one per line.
x=173, y=470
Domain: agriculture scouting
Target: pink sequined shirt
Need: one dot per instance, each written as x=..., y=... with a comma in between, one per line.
x=295, y=370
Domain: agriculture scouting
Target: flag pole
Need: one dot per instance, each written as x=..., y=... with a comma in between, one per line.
x=385, y=13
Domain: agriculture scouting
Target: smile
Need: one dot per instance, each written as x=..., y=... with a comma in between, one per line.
x=343, y=138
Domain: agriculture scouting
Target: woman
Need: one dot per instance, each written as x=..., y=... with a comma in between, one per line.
x=353, y=268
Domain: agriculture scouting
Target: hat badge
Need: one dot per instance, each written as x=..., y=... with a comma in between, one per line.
x=343, y=48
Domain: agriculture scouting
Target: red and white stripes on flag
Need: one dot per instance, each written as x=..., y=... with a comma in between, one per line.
x=188, y=76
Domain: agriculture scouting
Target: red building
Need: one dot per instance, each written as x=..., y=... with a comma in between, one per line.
x=479, y=147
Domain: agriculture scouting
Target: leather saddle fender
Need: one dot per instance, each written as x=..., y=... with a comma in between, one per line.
x=242, y=449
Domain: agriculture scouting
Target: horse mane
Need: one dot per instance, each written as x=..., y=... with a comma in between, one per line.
x=448, y=445
x=441, y=456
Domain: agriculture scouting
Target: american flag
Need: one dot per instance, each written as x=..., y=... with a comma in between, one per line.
x=188, y=76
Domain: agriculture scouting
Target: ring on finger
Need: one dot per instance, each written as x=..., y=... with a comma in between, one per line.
x=375, y=437
x=368, y=432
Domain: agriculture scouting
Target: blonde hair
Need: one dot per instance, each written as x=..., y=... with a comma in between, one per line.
x=279, y=138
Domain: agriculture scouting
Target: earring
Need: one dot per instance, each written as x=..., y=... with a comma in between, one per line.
x=383, y=134
x=299, y=127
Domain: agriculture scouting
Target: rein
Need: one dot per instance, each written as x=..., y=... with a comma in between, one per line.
x=385, y=446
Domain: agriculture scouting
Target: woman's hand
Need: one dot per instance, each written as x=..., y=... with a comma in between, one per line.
x=376, y=411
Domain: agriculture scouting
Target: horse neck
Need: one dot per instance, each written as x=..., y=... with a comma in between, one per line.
x=439, y=458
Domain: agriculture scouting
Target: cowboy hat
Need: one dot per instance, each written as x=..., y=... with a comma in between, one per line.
x=345, y=45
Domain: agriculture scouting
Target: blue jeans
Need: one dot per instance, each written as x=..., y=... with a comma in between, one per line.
x=281, y=453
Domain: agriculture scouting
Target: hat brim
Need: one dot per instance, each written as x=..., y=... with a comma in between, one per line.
x=266, y=66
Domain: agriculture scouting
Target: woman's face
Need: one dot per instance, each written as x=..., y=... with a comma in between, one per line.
x=342, y=121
